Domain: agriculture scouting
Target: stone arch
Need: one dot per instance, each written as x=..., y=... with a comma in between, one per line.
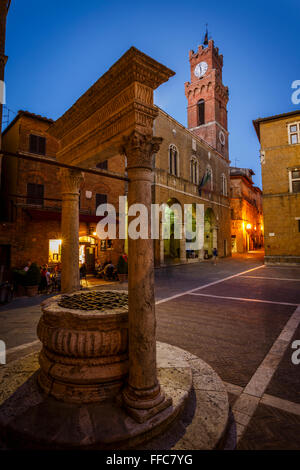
x=172, y=244
x=210, y=232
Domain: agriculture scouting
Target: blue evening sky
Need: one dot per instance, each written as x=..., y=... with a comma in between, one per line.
x=58, y=49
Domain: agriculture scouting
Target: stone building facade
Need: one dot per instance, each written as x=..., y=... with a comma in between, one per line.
x=31, y=199
x=180, y=184
x=246, y=211
x=279, y=138
x=191, y=167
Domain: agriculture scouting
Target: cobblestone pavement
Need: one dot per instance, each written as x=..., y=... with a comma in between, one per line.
x=239, y=316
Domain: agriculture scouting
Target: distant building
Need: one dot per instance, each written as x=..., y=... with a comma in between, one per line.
x=246, y=211
x=279, y=137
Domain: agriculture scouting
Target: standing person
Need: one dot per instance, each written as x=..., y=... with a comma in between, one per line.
x=48, y=277
x=215, y=255
x=43, y=283
x=57, y=277
x=27, y=266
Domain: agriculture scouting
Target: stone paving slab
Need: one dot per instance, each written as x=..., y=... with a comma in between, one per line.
x=202, y=425
x=285, y=272
x=233, y=337
x=285, y=383
x=271, y=429
x=261, y=289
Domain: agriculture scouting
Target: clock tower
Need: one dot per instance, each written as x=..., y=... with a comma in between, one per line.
x=208, y=98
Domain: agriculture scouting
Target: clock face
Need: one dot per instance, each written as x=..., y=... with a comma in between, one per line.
x=222, y=137
x=200, y=69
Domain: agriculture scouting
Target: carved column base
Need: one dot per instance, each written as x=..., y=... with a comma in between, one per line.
x=142, y=405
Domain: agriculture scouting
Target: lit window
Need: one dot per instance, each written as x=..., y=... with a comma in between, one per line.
x=294, y=133
x=54, y=251
x=295, y=181
x=173, y=160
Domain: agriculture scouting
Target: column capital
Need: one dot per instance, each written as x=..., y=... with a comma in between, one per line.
x=70, y=180
x=139, y=149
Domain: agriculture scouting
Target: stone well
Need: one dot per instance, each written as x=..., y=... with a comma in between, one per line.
x=75, y=400
x=84, y=358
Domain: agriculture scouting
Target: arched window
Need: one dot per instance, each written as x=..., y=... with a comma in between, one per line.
x=210, y=177
x=201, y=112
x=173, y=160
x=223, y=185
x=194, y=170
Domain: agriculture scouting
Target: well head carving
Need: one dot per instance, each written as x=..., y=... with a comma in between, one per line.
x=120, y=102
x=85, y=345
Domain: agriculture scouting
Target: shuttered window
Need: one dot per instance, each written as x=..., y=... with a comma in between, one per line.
x=101, y=199
x=37, y=144
x=201, y=112
x=102, y=165
x=35, y=194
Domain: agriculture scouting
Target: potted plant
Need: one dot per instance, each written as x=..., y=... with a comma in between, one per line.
x=19, y=281
x=122, y=268
x=32, y=280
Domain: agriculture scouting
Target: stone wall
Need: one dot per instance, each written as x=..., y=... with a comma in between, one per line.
x=281, y=207
x=28, y=237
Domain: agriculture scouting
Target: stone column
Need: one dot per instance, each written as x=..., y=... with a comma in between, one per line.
x=161, y=243
x=182, y=245
x=215, y=237
x=142, y=395
x=70, y=183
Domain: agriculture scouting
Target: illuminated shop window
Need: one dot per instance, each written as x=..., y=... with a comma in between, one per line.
x=55, y=251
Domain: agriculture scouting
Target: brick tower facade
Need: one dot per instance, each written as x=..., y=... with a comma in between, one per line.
x=208, y=97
